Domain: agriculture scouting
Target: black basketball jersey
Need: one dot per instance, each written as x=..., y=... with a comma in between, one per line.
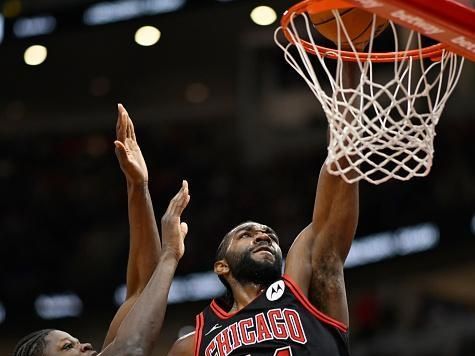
x=281, y=321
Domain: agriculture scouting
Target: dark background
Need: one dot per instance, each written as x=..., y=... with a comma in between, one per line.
x=252, y=149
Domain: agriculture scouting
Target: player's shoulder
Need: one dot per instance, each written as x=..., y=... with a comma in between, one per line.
x=184, y=346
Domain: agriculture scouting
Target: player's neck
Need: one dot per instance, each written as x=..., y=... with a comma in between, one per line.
x=245, y=293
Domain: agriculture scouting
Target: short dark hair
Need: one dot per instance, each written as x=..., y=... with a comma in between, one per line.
x=223, y=247
x=32, y=344
x=221, y=254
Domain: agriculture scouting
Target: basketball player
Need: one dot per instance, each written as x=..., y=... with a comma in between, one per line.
x=304, y=311
x=150, y=268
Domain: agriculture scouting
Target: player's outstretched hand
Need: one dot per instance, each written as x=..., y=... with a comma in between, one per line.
x=128, y=151
x=173, y=229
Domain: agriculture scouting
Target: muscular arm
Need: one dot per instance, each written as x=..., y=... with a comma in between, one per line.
x=184, y=346
x=141, y=326
x=144, y=249
x=316, y=258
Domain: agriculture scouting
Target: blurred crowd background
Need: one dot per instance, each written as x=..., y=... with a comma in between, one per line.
x=214, y=102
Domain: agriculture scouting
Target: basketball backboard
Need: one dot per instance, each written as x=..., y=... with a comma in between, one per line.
x=448, y=21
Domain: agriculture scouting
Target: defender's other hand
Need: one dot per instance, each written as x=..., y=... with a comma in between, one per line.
x=128, y=151
x=173, y=229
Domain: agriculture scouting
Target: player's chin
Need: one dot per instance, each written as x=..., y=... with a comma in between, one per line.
x=266, y=258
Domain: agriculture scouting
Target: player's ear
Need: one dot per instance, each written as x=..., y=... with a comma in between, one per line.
x=221, y=268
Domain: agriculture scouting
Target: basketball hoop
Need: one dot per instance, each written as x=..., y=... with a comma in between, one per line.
x=379, y=128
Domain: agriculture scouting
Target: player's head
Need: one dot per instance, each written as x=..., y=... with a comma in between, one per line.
x=250, y=252
x=50, y=342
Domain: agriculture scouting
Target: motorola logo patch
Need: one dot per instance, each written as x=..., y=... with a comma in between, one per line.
x=275, y=291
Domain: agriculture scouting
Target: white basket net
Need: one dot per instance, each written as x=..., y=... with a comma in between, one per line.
x=380, y=127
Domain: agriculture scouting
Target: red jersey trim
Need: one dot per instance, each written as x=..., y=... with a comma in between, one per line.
x=309, y=306
x=199, y=332
x=222, y=314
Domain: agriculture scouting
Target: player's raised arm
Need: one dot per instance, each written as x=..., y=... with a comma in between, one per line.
x=315, y=260
x=144, y=249
x=141, y=326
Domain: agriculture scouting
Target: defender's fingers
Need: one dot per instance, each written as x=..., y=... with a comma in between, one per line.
x=184, y=185
x=172, y=205
x=119, y=145
x=117, y=125
x=179, y=201
x=124, y=118
x=122, y=125
x=127, y=124
x=184, y=228
x=120, y=149
x=182, y=199
x=132, y=129
x=180, y=205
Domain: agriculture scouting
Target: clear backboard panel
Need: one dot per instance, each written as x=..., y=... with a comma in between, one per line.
x=448, y=21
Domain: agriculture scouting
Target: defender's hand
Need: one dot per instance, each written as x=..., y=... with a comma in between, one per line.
x=173, y=229
x=128, y=151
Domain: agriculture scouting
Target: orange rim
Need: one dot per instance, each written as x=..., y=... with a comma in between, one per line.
x=433, y=52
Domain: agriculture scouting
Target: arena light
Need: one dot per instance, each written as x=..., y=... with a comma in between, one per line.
x=263, y=15
x=34, y=26
x=188, y=288
x=196, y=286
x=58, y=306
x=35, y=55
x=2, y=313
x=114, y=11
x=120, y=294
x=147, y=36
x=381, y=246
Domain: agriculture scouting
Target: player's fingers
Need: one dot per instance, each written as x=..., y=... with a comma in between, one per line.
x=184, y=228
x=184, y=185
x=120, y=150
x=182, y=199
x=132, y=129
x=173, y=203
x=182, y=204
x=117, y=126
x=121, y=132
x=127, y=124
